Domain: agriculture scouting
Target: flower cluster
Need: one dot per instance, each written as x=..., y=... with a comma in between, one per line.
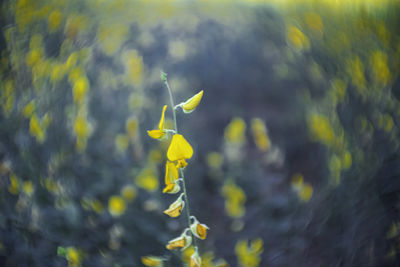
x=178, y=152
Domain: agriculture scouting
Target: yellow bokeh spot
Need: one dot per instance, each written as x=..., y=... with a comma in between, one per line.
x=111, y=37
x=121, y=142
x=74, y=257
x=305, y=192
x=14, y=184
x=55, y=18
x=297, y=182
x=28, y=187
x=80, y=88
x=116, y=206
x=249, y=256
x=214, y=160
x=234, y=199
x=58, y=72
x=29, y=109
x=259, y=131
x=72, y=60
x=235, y=131
x=147, y=180
x=131, y=127
x=297, y=38
x=81, y=127
x=321, y=129
x=134, y=66
x=128, y=192
x=36, y=130
x=97, y=206
x=380, y=67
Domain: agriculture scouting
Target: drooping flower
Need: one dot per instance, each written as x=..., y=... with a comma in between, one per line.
x=182, y=242
x=195, y=260
x=189, y=105
x=198, y=229
x=179, y=150
x=153, y=261
x=175, y=209
x=160, y=132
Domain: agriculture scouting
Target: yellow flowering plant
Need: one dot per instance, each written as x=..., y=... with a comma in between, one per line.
x=178, y=152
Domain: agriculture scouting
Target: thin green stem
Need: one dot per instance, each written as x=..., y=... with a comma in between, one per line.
x=171, y=98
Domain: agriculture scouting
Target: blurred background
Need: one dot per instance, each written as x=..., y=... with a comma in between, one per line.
x=296, y=142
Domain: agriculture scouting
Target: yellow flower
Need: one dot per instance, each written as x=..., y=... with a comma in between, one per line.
x=260, y=135
x=160, y=132
x=195, y=260
x=28, y=187
x=80, y=88
x=191, y=103
x=171, y=177
x=147, y=179
x=128, y=192
x=29, y=109
x=54, y=20
x=116, y=206
x=306, y=193
x=179, y=149
x=152, y=261
x=198, y=229
x=183, y=241
x=175, y=209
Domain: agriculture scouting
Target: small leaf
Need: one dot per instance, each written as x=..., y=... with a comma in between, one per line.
x=61, y=252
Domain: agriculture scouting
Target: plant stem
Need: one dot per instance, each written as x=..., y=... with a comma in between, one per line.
x=181, y=169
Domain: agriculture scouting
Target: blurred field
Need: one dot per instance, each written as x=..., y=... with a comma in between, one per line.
x=296, y=141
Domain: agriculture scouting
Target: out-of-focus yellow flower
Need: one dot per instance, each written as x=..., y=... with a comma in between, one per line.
x=234, y=199
x=179, y=149
x=74, y=257
x=314, y=22
x=249, y=256
x=260, y=135
x=214, y=160
x=81, y=127
x=198, y=229
x=321, y=129
x=355, y=69
x=111, y=37
x=29, y=109
x=155, y=156
x=152, y=261
x=58, y=72
x=147, y=180
x=182, y=242
x=72, y=60
x=131, y=127
x=116, y=206
x=160, y=132
x=346, y=160
x=81, y=86
x=297, y=38
x=97, y=206
x=306, y=192
x=121, y=142
x=128, y=192
x=175, y=209
x=33, y=57
x=134, y=66
x=55, y=18
x=380, y=67
x=195, y=260
x=36, y=129
x=235, y=131
x=14, y=185
x=28, y=187
x=189, y=105
x=75, y=73
x=74, y=24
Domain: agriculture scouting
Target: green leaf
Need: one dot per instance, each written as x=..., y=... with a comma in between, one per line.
x=61, y=252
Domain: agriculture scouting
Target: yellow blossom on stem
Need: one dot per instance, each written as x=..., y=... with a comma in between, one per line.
x=179, y=149
x=195, y=260
x=182, y=242
x=190, y=104
x=160, y=132
x=198, y=229
x=116, y=206
x=152, y=261
x=175, y=209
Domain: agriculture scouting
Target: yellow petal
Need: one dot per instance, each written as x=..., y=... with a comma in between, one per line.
x=171, y=173
x=159, y=133
x=156, y=134
x=172, y=188
x=192, y=103
x=179, y=148
x=202, y=230
x=161, y=123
